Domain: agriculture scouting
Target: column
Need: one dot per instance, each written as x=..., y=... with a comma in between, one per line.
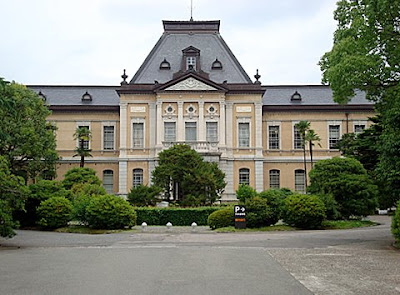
x=123, y=128
x=159, y=124
x=180, y=123
x=229, y=126
x=202, y=127
x=258, y=129
x=259, y=174
x=152, y=127
x=123, y=178
x=222, y=123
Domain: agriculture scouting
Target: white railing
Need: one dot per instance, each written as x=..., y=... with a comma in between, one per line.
x=198, y=146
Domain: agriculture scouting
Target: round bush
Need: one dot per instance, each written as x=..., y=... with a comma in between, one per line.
x=304, y=211
x=110, y=212
x=275, y=198
x=55, y=212
x=396, y=223
x=221, y=218
x=259, y=213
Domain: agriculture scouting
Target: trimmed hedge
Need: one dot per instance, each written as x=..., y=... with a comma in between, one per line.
x=54, y=212
x=221, y=218
x=177, y=216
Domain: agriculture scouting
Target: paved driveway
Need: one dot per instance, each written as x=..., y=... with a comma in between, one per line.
x=358, y=261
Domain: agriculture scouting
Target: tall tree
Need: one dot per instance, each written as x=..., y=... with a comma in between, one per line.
x=312, y=137
x=83, y=136
x=27, y=140
x=366, y=56
x=303, y=127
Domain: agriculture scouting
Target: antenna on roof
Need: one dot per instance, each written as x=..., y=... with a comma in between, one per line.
x=191, y=10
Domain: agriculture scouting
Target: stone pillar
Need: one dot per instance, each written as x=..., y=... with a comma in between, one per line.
x=258, y=129
x=230, y=127
x=152, y=127
x=123, y=129
x=222, y=123
x=259, y=175
x=180, y=123
x=123, y=178
x=202, y=127
x=159, y=125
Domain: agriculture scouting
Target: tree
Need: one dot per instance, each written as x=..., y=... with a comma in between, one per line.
x=12, y=196
x=366, y=56
x=182, y=173
x=144, y=195
x=312, y=137
x=27, y=140
x=80, y=175
x=83, y=136
x=303, y=127
x=348, y=183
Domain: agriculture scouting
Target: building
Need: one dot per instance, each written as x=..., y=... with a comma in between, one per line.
x=191, y=89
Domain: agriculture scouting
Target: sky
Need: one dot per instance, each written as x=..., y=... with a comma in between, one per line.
x=90, y=42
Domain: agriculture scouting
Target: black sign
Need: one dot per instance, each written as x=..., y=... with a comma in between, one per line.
x=240, y=216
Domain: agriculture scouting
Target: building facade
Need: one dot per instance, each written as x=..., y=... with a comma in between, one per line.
x=191, y=89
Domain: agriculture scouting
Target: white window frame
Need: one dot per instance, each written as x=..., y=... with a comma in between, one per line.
x=139, y=121
x=279, y=179
x=303, y=184
x=359, y=123
x=333, y=123
x=112, y=183
x=293, y=136
x=274, y=124
x=242, y=169
x=217, y=131
x=108, y=124
x=189, y=62
x=133, y=177
x=246, y=121
x=176, y=129
x=197, y=130
x=84, y=124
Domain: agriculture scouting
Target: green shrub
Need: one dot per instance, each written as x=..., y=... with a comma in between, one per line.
x=177, y=216
x=330, y=203
x=304, y=211
x=144, y=195
x=55, y=212
x=109, y=212
x=88, y=189
x=245, y=192
x=259, y=213
x=221, y=218
x=80, y=175
x=79, y=205
x=275, y=198
x=396, y=223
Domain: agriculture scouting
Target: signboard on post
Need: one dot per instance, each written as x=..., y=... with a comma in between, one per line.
x=240, y=216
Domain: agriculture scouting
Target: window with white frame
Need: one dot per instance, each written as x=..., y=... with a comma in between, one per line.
x=108, y=181
x=299, y=181
x=191, y=63
x=334, y=136
x=86, y=144
x=297, y=139
x=108, y=137
x=274, y=178
x=212, y=131
x=169, y=131
x=244, y=134
x=244, y=176
x=137, y=135
x=273, y=137
x=190, y=131
x=359, y=128
x=137, y=177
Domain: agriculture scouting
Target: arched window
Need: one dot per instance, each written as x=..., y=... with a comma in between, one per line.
x=108, y=181
x=244, y=176
x=274, y=178
x=137, y=177
x=299, y=181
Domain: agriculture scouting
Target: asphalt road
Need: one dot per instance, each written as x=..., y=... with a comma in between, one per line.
x=358, y=261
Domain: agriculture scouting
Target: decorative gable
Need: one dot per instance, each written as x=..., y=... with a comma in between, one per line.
x=191, y=84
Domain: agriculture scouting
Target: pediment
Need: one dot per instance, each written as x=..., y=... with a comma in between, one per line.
x=191, y=84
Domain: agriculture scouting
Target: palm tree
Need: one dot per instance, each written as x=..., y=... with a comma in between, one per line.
x=312, y=137
x=83, y=135
x=302, y=127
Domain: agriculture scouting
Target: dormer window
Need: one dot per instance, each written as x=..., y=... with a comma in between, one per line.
x=216, y=65
x=86, y=97
x=296, y=96
x=165, y=65
x=42, y=96
x=191, y=59
x=190, y=63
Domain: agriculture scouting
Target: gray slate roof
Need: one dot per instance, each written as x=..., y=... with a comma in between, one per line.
x=72, y=95
x=310, y=94
x=211, y=46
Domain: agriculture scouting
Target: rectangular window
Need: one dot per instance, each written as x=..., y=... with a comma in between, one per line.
x=274, y=179
x=334, y=135
x=108, y=137
x=244, y=134
x=273, y=137
x=358, y=128
x=298, y=141
x=244, y=176
x=191, y=131
x=108, y=181
x=212, y=131
x=137, y=177
x=169, y=131
x=138, y=135
x=299, y=181
x=191, y=63
x=85, y=142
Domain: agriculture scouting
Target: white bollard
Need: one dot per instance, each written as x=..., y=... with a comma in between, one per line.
x=169, y=226
x=144, y=226
x=194, y=227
